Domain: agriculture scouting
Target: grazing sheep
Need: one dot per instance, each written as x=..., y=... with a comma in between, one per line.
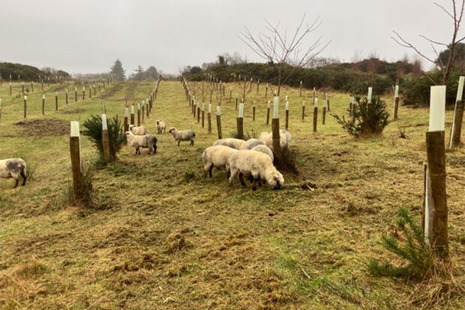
x=182, y=135
x=231, y=142
x=256, y=164
x=251, y=143
x=217, y=157
x=13, y=168
x=161, y=126
x=267, y=138
x=138, y=131
x=265, y=150
x=146, y=141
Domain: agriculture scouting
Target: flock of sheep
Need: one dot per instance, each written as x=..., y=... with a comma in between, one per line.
x=252, y=159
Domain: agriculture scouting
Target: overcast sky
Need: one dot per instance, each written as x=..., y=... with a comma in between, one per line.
x=86, y=36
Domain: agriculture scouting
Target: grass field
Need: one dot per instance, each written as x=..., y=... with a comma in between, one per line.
x=164, y=237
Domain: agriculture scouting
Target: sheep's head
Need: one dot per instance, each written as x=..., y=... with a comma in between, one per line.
x=158, y=121
x=128, y=133
x=172, y=130
x=131, y=127
x=275, y=179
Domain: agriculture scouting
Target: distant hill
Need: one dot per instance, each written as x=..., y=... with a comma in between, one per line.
x=29, y=73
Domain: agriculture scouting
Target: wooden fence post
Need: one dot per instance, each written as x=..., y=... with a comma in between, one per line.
x=325, y=107
x=328, y=105
x=67, y=97
x=76, y=164
x=436, y=212
x=396, y=102
x=90, y=91
x=132, y=115
x=253, y=111
x=275, y=128
x=303, y=110
x=138, y=114
x=11, y=89
x=300, y=88
x=43, y=104
x=209, y=117
x=25, y=106
x=203, y=114
x=286, y=110
x=268, y=113
x=126, y=121
x=105, y=139
x=198, y=112
x=218, y=122
x=240, y=122
x=147, y=108
x=75, y=94
x=143, y=111
x=83, y=93
x=56, y=101
x=32, y=86
x=315, y=115
x=258, y=86
x=237, y=99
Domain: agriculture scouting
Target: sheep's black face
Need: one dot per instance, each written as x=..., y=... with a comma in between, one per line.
x=276, y=181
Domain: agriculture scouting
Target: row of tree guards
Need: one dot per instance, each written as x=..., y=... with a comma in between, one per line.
x=93, y=91
x=75, y=141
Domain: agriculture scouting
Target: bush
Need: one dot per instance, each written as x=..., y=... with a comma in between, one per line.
x=414, y=250
x=365, y=120
x=116, y=136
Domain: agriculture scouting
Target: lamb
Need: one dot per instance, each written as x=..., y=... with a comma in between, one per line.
x=182, y=135
x=13, y=168
x=258, y=165
x=216, y=157
x=145, y=141
x=265, y=150
x=138, y=131
x=251, y=143
x=161, y=126
x=267, y=138
x=231, y=142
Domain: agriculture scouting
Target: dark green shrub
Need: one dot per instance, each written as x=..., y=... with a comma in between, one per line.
x=414, y=251
x=93, y=131
x=366, y=119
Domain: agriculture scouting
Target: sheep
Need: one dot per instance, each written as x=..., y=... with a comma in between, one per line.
x=255, y=164
x=146, y=141
x=161, y=126
x=218, y=157
x=182, y=135
x=250, y=144
x=13, y=168
x=138, y=131
x=284, y=140
x=265, y=150
x=231, y=142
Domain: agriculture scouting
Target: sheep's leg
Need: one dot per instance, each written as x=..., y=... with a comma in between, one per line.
x=206, y=169
x=241, y=178
x=24, y=178
x=233, y=176
x=16, y=177
x=254, y=186
x=179, y=142
x=192, y=142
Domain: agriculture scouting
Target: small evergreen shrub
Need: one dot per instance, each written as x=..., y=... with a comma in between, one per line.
x=93, y=130
x=366, y=119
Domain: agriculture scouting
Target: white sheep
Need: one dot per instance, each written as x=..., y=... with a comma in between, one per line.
x=216, y=157
x=146, y=141
x=13, y=168
x=231, y=142
x=182, y=135
x=138, y=131
x=284, y=139
x=256, y=164
x=251, y=143
x=265, y=150
x=161, y=126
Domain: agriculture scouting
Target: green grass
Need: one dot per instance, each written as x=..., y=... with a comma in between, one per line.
x=169, y=239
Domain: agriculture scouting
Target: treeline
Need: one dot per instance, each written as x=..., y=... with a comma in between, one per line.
x=354, y=78
x=29, y=73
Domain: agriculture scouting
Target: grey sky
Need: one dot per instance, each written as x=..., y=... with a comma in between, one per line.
x=86, y=36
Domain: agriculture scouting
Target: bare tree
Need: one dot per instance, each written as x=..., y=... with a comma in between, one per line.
x=456, y=15
x=280, y=49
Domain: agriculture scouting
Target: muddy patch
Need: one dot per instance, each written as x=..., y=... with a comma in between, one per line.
x=44, y=127
x=109, y=92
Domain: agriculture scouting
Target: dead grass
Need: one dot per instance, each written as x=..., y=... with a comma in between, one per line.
x=44, y=127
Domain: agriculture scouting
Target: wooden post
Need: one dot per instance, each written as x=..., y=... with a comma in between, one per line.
x=193, y=107
x=236, y=102
x=253, y=111
x=218, y=122
x=42, y=84
x=132, y=115
x=396, y=102
x=258, y=87
x=286, y=109
x=198, y=112
x=266, y=91
x=147, y=109
x=303, y=110
x=25, y=106
x=90, y=92
x=83, y=93
x=328, y=105
x=209, y=117
x=32, y=86
x=143, y=111
x=325, y=107
x=138, y=114
x=11, y=89
x=67, y=97
x=275, y=128
x=315, y=115
x=240, y=122
x=300, y=88
x=436, y=212
x=76, y=165
x=105, y=139
x=75, y=94
x=126, y=121
x=43, y=104
x=230, y=95
x=456, y=129
x=268, y=113
x=203, y=114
